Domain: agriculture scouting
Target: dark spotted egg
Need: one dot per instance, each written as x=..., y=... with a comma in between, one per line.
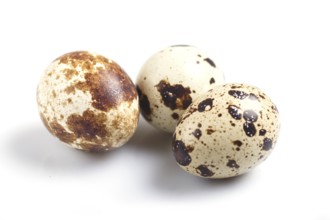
x=88, y=101
x=226, y=132
x=170, y=80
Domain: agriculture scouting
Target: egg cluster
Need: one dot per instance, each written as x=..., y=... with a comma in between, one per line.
x=219, y=130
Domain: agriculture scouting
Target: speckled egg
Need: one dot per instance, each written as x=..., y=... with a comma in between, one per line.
x=88, y=101
x=170, y=80
x=226, y=132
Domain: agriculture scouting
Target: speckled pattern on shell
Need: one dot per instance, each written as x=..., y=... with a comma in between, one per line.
x=226, y=132
x=88, y=101
x=170, y=80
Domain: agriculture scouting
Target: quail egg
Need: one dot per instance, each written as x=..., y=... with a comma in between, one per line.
x=226, y=132
x=170, y=80
x=88, y=102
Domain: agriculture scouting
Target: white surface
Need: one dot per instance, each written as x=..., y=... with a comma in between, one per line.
x=283, y=47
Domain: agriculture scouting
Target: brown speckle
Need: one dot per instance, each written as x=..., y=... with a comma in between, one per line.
x=210, y=131
x=69, y=90
x=69, y=73
x=236, y=86
x=174, y=96
x=204, y=171
x=209, y=61
x=187, y=115
x=197, y=133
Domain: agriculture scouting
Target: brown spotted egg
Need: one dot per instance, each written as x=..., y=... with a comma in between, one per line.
x=226, y=132
x=88, y=101
x=170, y=80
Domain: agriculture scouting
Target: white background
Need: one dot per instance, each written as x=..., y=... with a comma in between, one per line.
x=283, y=47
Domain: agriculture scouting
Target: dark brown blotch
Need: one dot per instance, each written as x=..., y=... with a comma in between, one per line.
x=59, y=131
x=75, y=58
x=238, y=94
x=212, y=80
x=175, y=116
x=197, y=133
x=205, y=105
x=209, y=61
x=108, y=87
x=232, y=164
x=181, y=153
x=174, y=96
x=144, y=104
x=267, y=144
x=235, y=112
x=89, y=126
x=262, y=132
x=204, y=171
x=249, y=129
x=250, y=116
x=236, y=86
x=238, y=143
x=210, y=131
x=69, y=73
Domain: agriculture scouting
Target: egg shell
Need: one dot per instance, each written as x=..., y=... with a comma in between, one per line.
x=170, y=80
x=88, y=101
x=226, y=132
